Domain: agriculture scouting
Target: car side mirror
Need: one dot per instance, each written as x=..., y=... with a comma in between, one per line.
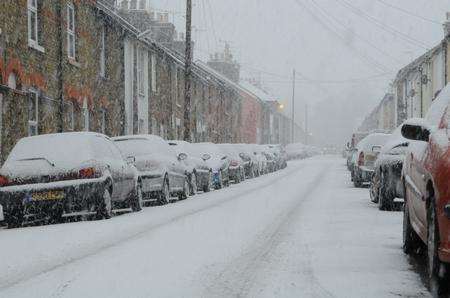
x=415, y=132
x=206, y=157
x=182, y=156
x=376, y=149
x=225, y=157
x=131, y=160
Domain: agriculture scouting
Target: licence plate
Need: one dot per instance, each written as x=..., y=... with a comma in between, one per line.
x=47, y=196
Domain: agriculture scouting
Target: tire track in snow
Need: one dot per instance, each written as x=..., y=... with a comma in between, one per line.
x=238, y=277
x=146, y=229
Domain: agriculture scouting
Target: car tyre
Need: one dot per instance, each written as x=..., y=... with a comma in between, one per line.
x=385, y=198
x=411, y=241
x=185, y=193
x=137, y=200
x=193, y=188
x=436, y=269
x=208, y=186
x=105, y=207
x=164, y=195
x=15, y=219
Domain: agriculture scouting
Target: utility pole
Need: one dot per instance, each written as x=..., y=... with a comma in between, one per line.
x=293, y=109
x=188, y=73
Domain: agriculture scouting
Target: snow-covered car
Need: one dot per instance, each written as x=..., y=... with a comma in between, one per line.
x=386, y=182
x=199, y=174
x=366, y=155
x=49, y=177
x=162, y=173
x=218, y=163
x=271, y=162
x=426, y=176
x=260, y=159
x=236, y=169
x=279, y=155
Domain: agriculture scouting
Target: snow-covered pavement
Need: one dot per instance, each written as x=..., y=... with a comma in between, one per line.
x=300, y=232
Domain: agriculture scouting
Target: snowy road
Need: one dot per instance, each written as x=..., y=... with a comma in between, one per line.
x=301, y=232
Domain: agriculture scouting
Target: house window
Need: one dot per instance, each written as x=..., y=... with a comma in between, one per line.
x=32, y=22
x=71, y=31
x=103, y=52
x=153, y=60
x=140, y=72
x=33, y=102
x=103, y=121
x=85, y=115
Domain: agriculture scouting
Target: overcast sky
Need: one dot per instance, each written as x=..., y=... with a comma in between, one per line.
x=345, y=51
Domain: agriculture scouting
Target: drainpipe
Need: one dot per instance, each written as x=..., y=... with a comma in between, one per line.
x=60, y=67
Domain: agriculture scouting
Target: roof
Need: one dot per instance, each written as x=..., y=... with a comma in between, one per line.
x=261, y=94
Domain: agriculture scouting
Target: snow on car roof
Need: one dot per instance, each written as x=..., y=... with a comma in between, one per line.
x=375, y=139
x=64, y=150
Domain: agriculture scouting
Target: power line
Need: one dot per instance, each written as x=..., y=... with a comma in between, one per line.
x=409, y=12
x=361, y=55
x=359, y=36
x=362, y=14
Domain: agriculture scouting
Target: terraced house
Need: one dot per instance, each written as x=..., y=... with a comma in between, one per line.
x=79, y=65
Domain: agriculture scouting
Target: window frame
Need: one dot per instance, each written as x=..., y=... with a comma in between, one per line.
x=32, y=8
x=153, y=70
x=103, y=52
x=33, y=124
x=85, y=115
x=71, y=32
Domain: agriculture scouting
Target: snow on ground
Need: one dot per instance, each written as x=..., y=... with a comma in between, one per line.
x=301, y=232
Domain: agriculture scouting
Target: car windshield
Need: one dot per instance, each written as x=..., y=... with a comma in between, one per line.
x=58, y=150
x=136, y=147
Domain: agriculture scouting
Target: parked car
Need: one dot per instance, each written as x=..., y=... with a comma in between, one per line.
x=162, y=173
x=218, y=163
x=236, y=170
x=271, y=162
x=386, y=183
x=279, y=156
x=49, y=177
x=261, y=160
x=199, y=174
x=426, y=176
x=366, y=155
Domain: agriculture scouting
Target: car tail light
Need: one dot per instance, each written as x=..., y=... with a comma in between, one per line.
x=361, y=159
x=88, y=173
x=4, y=181
x=234, y=163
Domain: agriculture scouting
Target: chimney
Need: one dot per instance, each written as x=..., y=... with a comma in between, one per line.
x=447, y=26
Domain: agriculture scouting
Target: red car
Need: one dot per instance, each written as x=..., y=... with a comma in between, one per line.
x=426, y=177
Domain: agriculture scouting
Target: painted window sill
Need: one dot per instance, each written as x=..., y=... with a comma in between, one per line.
x=74, y=63
x=33, y=45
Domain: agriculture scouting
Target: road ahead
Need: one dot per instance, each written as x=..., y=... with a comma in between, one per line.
x=301, y=232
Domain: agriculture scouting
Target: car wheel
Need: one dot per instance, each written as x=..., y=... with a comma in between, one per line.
x=411, y=240
x=193, y=187
x=105, y=208
x=137, y=201
x=164, y=195
x=208, y=186
x=436, y=269
x=374, y=188
x=15, y=219
x=385, y=199
x=357, y=183
x=185, y=193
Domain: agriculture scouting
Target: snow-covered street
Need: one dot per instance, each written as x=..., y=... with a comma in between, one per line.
x=300, y=232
